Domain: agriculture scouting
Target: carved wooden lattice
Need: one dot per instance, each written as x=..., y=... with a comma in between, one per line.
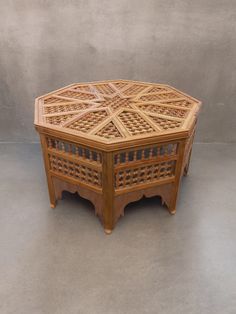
x=116, y=103
x=146, y=154
x=173, y=112
x=160, y=96
x=166, y=124
x=66, y=107
x=134, y=123
x=75, y=161
x=71, y=149
x=88, y=121
x=78, y=95
x=109, y=131
x=145, y=165
x=72, y=169
x=135, y=108
x=58, y=119
x=144, y=174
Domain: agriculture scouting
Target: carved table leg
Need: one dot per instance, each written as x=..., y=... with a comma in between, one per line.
x=187, y=165
x=51, y=190
x=108, y=192
x=175, y=190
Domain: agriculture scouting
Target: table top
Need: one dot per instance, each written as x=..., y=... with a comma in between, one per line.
x=117, y=113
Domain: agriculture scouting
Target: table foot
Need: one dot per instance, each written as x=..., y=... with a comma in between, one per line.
x=108, y=231
x=185, y=172
x=52, y=205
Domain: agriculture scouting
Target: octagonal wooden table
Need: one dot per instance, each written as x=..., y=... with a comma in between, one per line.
x=114, y=142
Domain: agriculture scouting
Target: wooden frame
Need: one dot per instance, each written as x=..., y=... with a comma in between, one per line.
x=114, y=142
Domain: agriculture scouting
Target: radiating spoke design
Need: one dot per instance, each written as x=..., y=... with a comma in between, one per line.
x=114, y=111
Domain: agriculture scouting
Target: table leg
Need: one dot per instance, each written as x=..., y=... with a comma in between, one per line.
x=51, y=190
x=108, y=191
x=187, y=165
x=175, y=190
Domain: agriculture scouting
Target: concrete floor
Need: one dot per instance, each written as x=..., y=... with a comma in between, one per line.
x=60, y=261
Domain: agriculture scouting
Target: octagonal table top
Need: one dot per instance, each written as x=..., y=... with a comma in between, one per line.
x=117, y=112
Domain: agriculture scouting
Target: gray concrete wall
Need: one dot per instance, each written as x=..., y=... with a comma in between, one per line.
x=188, y=44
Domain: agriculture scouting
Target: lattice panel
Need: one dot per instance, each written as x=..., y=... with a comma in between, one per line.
x=78, y=95
x=88, y=121
x=134, y=123
x=75, y=150
x=116, y=103
x=139, y=108
x=83, y=88
x=144, y=174
x=144, y=154
x=60, y=119
x=105, y=89
x=154, y=97
x=75, y=170
x=109, y=131
x=174, y=112
x=119, y=85
x=166, y=124
x=134, y=89
x=179, y=103
x=52, y=100
x=65, y=107
x=156, y=89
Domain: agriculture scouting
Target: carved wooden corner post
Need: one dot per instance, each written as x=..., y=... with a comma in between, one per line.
x=108, y=191
x=178, y=175
x=186, y=168
x=188, y=150
x=51, y=189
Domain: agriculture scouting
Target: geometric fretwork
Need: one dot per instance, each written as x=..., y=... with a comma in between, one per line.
x=116, y=103
x=88, y=121
x=66, y=107
x=109, y=131
x=166, y=124
x=75, y=170
x=134, y=123
x=180, y=113
x=143, y=174
x=116, y=111
x=58, y=120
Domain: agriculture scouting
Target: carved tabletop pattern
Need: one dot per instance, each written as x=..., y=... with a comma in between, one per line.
x=116, y=111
